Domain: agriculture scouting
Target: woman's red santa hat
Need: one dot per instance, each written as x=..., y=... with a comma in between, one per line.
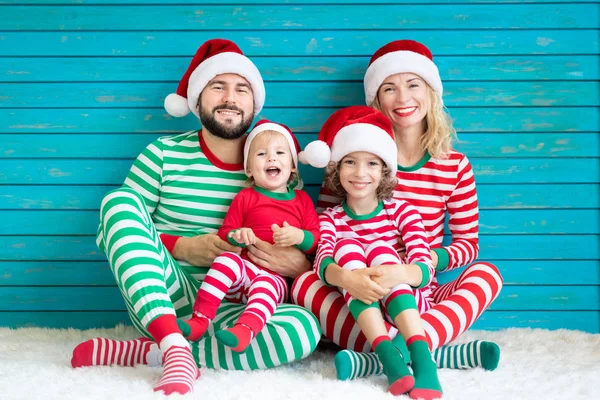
x=351, y=129
x=397, y=57
x=266, y=125
x=214, y=57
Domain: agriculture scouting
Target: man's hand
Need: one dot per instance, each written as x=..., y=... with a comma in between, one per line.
x=285, y=261
x=201, y=250
x=243, y=235
x=361, y=285
x=287, y=235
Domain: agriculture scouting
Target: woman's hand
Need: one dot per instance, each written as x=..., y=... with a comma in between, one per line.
x=361, y=285
x=286, y=261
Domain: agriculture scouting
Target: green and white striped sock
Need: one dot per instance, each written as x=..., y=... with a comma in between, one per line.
x=352, y=365
x=469, y=355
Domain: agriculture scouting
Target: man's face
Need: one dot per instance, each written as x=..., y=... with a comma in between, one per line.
x=226, y=106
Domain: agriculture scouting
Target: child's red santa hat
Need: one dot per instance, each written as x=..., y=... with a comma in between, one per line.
x=266, y=125
x=356, y=128
x=397, y=57
x=214, y=57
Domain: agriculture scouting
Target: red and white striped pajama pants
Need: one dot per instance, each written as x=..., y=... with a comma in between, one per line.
x=240, y=281
x=351, y=254
x=453, y=308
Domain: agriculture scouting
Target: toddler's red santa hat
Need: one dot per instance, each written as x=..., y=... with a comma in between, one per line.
x=266, y=125
x=214, y=57
x=356, y=128
x=397, y=57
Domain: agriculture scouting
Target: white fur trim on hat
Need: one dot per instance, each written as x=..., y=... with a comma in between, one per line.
x=225, y=63
x=368, y=138
x=176, y=105
x=316, y=153
x=269, y=126
x=398, y=62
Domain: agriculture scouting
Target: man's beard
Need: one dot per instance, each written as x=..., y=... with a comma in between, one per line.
x=208, y=121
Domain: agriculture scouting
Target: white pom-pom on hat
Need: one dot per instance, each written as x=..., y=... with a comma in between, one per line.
x=317, y=154
x=176, y=105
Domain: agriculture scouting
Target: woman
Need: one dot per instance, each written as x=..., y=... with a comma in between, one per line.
x=404, y=84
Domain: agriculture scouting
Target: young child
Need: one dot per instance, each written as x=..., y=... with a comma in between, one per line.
x=362, y=234
x=267, y=210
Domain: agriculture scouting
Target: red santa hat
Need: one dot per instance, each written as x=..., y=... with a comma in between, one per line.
x=397, y=57
x=356, y=128
x=266, y=125
x=214, y=57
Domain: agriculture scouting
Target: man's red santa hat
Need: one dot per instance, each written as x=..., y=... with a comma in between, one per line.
x=214, y=57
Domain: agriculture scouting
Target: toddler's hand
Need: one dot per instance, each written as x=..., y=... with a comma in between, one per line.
x=243, y=235
x=287, y=235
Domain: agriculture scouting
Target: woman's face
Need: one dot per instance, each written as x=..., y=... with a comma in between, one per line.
x=404, y=100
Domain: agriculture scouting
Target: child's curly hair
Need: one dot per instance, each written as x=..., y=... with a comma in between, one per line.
x=332, y=182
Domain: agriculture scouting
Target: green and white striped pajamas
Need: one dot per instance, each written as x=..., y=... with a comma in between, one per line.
x=175, y=188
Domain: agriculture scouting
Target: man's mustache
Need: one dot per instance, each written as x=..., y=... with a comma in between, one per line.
x=228, y=107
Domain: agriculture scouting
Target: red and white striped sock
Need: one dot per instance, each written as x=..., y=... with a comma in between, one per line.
x=125, y=353
x=180, y=370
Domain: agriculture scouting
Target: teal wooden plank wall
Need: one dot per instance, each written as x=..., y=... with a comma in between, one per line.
x=82, y=84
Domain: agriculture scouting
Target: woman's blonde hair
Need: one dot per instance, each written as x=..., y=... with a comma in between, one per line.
x=439, y=132
x=332, y=182
x=268, y=136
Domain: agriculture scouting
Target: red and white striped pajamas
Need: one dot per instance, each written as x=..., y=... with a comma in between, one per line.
x=235, y=278
x=240, y=281
x=435, y=187
x=356, y=242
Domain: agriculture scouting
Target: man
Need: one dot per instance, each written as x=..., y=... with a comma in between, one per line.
x=158, y=232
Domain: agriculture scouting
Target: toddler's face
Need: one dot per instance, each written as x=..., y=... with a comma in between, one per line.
x=270, y=162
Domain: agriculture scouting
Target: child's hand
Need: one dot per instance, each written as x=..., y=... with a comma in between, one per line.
x=287, y=235
x=359, y=283
x=391, y=275
x=243, y=235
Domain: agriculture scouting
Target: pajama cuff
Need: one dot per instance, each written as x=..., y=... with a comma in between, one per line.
x=307, y=242
x=169, y=241
x=426, y=274
x=324, y=264
x=401, y=303
x=443, y=259
x=356, y=307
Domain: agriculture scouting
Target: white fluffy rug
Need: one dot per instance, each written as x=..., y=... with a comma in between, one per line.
x=535, y=364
